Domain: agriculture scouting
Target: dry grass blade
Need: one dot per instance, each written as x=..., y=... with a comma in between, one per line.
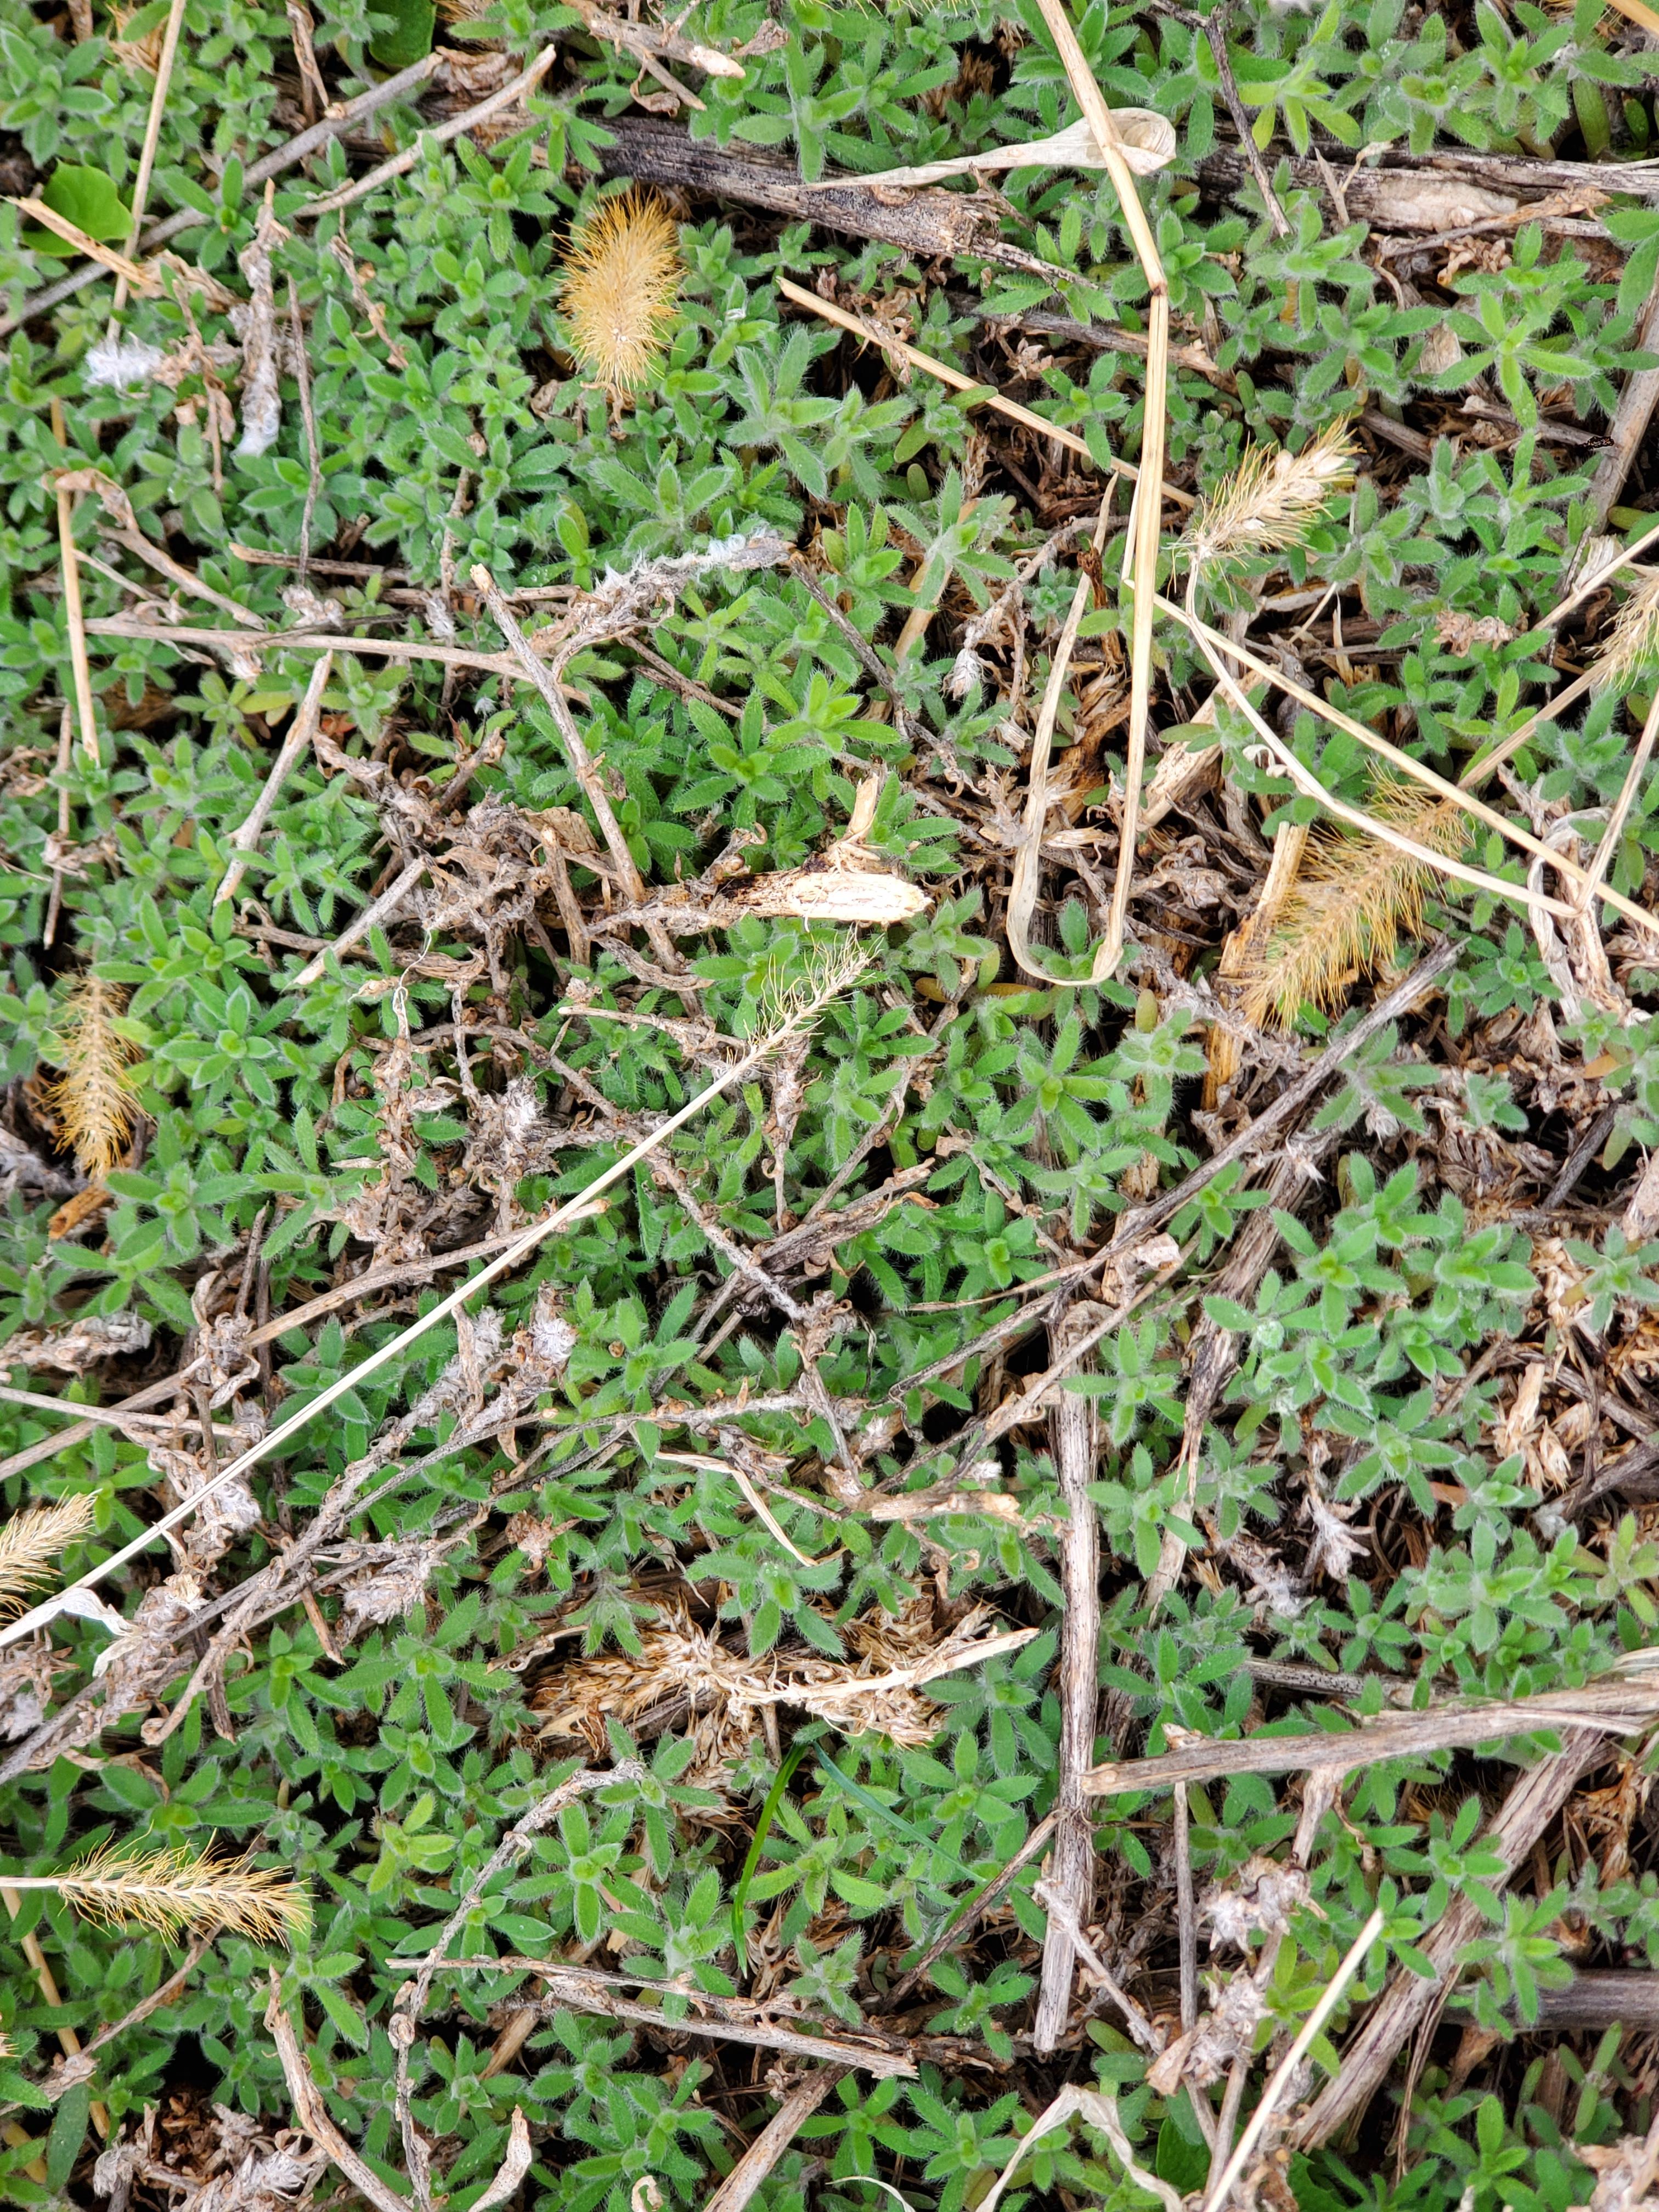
x=619, y=288
x=1607, y=850
x=975, y=394
x=94, y=1097
x=171, y=1890
x=1344, y=915
x=31, y=1543
x=74, y=612
x=158, y=101
x=1214, y=647
x=244, y=840
x=1148, y=519
x=338, y=120
x=1353, y=1959
x=399, y=164
x=1022, y=890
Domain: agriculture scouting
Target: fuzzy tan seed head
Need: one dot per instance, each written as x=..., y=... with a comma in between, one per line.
x=1632, y=645
x=1272, y=498
x=1352, y=898
x=33, y=1542
x=173, y=1890
x=93, y=1099
x=619, y=288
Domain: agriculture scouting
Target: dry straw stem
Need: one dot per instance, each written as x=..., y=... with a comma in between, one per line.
x=1352, y=1960
x=158, y=101
x=33, y=1542
x=93, y=1098
x=1213, y=640
x=1022, y=890
x=74, y=613
x=360, y=187
x=252, y=641
x=1343, y=915
x=1214, y=647
x=977, y=394
x=171, y=1890
x=1608, y=846
x=835, y=973
x=619, y=288
x=1618, y=1704
x=1147, y=521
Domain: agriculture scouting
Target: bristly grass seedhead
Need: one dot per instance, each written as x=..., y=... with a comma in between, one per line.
x=833, y=966
x=1632, y=645
x=1272, y=498
x=93, y=1098
x=31, y=1543
x=171, y=1890
x=619, y=288
x=1345, y=914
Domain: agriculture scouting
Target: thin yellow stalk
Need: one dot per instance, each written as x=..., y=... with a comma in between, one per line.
x=1309, y=784
x=974, y=393
x=158, y=101
x=1022, y=890
x=174, y=1889
x=74, y=613
x=835, y=974
x=1212, y=641
x=1148, y=517
x=1352, y=1960
x=1602, y=860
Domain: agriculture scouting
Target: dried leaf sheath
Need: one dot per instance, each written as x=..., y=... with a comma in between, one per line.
x=1354, y=896
x=94, y=1099
x=173, y=1890
x=619, y=288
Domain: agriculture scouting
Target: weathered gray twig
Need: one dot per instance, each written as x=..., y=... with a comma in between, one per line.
x=1613, y=1705
x=245, y=842
x=774, y=2139
x=337, y=120
x=725, y=2020
x=311, y=2112
x=399, y=164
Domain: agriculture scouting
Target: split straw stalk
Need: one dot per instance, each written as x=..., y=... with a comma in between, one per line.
x=1148, y=515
